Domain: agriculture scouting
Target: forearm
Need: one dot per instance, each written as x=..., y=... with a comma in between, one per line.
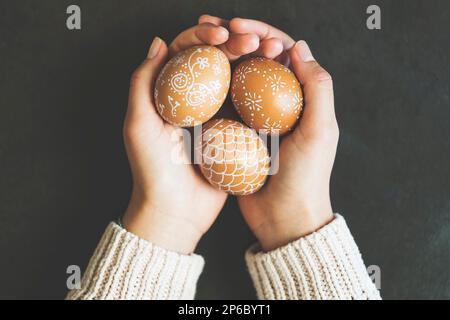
x=323, y=265
x=125, y=266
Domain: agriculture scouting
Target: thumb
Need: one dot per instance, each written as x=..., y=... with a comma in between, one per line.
x=142, y=81
x=319, y=116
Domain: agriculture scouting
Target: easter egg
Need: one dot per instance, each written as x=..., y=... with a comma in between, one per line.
x=233, y=158
x=192, y=86
x=267, y=95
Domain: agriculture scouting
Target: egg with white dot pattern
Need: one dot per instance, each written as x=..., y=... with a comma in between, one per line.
x=192, y=86
x=233, y=157
x=267, y=95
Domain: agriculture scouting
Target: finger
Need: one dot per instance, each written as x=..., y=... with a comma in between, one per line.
x=283, y=58
x=205, y=33
x=262, y=29
x=142, y=81
x=317, y=84
x=270, y=48
x=206, y=18
x=239, y=45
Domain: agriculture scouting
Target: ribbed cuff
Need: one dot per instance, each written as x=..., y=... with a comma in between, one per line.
x=323, y=265
x=125, y=266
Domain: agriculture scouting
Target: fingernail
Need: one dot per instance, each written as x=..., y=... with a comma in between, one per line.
x=154, y=48
x=223, y=30
x=303, y=51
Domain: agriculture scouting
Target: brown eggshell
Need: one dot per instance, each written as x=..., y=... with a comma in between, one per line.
x=192, y=86
x=233, y=157
x=267, y=95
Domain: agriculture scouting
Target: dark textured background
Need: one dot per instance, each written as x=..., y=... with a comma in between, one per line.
x=64, y=173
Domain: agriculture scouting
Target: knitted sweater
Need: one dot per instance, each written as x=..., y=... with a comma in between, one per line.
x=323, y=265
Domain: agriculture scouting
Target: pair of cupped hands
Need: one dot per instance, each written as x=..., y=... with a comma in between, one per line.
x=173, y=206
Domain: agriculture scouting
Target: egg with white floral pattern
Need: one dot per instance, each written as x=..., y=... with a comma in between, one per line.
x=267, y=95
x=192, y=86
x=233, y=157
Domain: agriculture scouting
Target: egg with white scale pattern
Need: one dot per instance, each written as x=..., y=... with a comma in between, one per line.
x=233, y=158
x=192, y=86
x=267, y=95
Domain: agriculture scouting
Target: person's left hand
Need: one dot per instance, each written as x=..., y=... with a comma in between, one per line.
x=171, y=204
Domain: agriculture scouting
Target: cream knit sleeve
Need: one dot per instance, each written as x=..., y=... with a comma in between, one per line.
x=126, y=267
x=323, y=265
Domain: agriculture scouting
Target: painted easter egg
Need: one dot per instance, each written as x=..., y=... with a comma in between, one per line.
x=192, y=86
x=267, y=95
x=233, y=158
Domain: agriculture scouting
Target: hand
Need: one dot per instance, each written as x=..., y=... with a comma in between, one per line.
x=171, y=204
x=262, y=39
x=296, y=200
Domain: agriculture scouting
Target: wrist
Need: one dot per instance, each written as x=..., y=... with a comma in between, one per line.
x=281, y=228
x=145, y=219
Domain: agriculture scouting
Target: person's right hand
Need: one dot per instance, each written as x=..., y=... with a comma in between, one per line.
x=296, y=200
